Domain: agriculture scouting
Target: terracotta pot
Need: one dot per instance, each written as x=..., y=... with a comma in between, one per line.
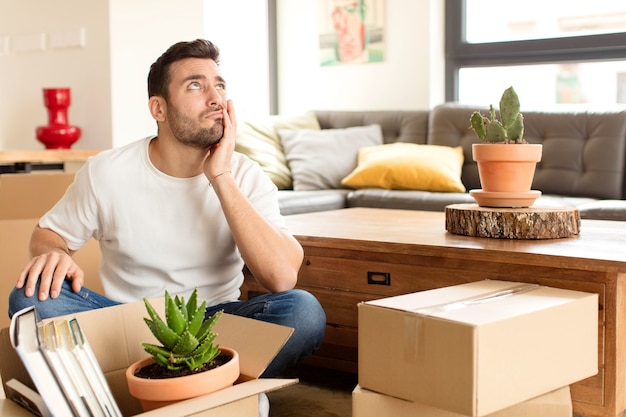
x=156, y=393
x=507, y=171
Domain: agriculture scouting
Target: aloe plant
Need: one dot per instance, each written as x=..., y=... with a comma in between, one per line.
x=186, y=337
x=510, y=129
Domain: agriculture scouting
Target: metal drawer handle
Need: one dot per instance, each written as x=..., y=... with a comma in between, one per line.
x=378, y=278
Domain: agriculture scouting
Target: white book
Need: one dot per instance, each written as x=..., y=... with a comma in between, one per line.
x=78, y=377
x=24, y=338
x=89, y=363
x=49, y=347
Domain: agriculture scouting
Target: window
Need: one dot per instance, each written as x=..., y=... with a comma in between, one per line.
x=563, y=54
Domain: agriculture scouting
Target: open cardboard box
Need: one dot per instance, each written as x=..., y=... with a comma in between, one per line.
x=477, y=348
x=365, y=403
x=115, y=335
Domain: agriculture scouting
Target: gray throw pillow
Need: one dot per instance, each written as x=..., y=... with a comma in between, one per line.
x=320, y=159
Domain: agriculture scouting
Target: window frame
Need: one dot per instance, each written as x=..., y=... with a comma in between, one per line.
x=461, y=54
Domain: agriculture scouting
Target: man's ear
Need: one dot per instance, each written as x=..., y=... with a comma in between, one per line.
x=158, y=108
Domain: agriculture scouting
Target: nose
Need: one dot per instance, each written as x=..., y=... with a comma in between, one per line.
x=214, y=97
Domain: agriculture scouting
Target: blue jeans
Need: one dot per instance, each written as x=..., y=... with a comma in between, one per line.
x=295, y=308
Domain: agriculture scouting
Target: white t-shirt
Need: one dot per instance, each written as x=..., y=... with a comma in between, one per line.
x=158, y=232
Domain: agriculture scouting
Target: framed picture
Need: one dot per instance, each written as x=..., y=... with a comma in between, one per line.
x=351, y=31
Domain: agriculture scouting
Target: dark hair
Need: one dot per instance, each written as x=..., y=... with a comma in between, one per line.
x=159, y=76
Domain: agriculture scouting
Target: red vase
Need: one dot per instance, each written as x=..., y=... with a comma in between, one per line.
x=58, y=134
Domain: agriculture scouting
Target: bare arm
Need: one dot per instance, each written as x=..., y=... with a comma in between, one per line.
x=271, y=253
x=51, y=264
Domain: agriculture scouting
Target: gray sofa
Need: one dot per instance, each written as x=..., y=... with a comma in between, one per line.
x=583, y=163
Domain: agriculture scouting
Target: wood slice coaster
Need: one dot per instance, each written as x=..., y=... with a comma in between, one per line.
x=512, y=223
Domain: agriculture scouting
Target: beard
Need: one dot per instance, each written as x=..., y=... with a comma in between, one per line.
x=186, y=131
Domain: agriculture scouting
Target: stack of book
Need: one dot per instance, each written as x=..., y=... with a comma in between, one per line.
x=63, y=368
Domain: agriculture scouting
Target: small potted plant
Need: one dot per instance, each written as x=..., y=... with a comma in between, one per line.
x=187, y=363
x=506, y=161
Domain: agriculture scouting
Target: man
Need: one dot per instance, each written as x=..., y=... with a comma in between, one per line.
x=177, y=211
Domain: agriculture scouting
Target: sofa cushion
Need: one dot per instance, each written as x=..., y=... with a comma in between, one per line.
x=258, y=138
x=583, y=152
x=295, y=202
x=408, y=166
x=554, y=200
x=406, y=199
x=319, y=159
x=603, y=210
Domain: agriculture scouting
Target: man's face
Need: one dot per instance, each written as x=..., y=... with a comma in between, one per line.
x=194, y=109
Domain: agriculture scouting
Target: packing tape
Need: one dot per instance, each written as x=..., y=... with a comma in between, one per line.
x=412, y=337
x=477, y=299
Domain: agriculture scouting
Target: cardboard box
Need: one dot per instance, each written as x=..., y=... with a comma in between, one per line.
x=10, y=408
x=367, y=403
x=115, y=335
x=14, y=256
x=477, y=348
x=23, y=196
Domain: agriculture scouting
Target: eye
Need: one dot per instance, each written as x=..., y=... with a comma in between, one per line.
x=220, y=86
x=194, y=86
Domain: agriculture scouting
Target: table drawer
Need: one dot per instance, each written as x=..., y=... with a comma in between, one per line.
x=370, y=277
x=405, y=275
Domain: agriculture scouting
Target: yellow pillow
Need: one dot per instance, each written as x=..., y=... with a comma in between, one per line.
x=258, y=138
x=408, y=166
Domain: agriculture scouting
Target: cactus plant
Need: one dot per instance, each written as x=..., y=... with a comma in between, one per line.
x=510, y=129
x=186, y=337
x=506, y=173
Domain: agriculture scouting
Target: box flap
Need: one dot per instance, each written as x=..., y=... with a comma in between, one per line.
x=11, y=365
x=226, y=396
x=256, y=341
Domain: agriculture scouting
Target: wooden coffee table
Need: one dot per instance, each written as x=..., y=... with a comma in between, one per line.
x=360, y=254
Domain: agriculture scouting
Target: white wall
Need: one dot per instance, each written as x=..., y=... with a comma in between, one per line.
x=107, y=75
x=123, y=37
x=411, y=76
x=141, y=30
x=24, y=73
x=239, y=29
